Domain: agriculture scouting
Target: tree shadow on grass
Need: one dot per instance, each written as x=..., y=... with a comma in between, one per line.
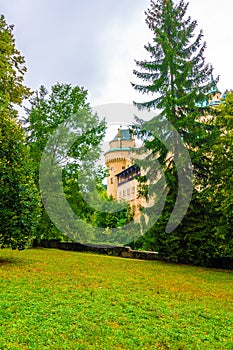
x=11, y=261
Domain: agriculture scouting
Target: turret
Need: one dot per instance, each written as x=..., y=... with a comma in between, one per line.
x=118, y=157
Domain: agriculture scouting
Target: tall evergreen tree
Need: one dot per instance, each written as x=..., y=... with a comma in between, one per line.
x=177, y=75
x=178, y=79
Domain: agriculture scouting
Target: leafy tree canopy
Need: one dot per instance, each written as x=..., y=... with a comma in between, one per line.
x=19, y=204
x=67, y=106
x=12, y=68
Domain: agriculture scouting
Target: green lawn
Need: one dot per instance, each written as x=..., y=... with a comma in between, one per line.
x=54, y=299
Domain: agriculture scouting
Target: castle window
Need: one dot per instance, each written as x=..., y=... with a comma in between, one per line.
x=128, y=191
x=123, y=168
x=111, y=180
x=124, y=193
x=133, y=190
x=112, y=168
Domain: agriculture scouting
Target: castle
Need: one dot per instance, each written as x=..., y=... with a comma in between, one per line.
x=121, y=182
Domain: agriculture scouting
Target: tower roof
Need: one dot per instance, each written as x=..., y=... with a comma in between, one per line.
x=125, y=134
x=123, y=141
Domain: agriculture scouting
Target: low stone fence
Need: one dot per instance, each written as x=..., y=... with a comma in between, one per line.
x=121, y=251
x=126, y=252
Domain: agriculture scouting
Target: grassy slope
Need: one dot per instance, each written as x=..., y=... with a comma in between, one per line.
x=65, y=300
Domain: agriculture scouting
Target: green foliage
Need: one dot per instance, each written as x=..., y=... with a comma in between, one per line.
x=19, y=208
x=106, y=218
x=12, y=68
x=19, y=204
x=177, y=71
x=47, y=111
x=179, y=80
x=220, y=192
x=82, y=180
x=61, y=300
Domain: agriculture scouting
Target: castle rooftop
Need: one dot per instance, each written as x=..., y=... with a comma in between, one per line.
x=123, y=134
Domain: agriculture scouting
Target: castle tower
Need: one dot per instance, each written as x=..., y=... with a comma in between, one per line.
x=118, y=158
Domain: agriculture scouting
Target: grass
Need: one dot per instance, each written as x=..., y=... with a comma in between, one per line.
x=54, y=299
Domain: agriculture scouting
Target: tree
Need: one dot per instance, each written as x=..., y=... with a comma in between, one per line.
x=177, y=73
x=12, y=90
x=178, y=79
x=107, y=219
x=19, y=209
x=65, y=105
x=221, y=194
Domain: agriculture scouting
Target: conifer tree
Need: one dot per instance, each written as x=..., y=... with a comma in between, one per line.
x=178, y=79
x=177, y=76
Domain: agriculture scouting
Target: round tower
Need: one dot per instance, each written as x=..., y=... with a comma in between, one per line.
x=118, y=157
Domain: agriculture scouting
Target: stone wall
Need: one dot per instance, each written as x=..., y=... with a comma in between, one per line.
x=225, y=263
x=120, y=251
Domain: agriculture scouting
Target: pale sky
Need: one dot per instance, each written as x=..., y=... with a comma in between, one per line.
x=94, y=43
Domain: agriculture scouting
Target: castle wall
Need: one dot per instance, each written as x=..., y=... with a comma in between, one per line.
x=121, y=144
x=117, y=159
x=115, y=165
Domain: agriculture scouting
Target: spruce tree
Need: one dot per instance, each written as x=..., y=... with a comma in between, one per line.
x=178, y=78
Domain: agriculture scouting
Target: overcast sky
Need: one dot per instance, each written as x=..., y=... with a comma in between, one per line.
x=94, y=43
